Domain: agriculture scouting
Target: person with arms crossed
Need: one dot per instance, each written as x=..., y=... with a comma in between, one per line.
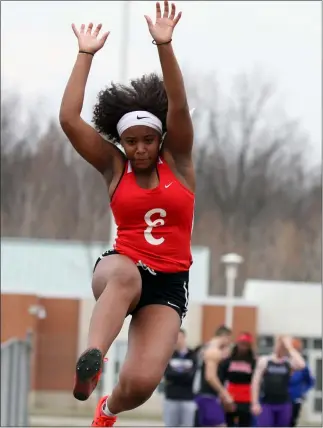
x=207, y=386
x=179, y=405
x=151, y=189
x=270, y=394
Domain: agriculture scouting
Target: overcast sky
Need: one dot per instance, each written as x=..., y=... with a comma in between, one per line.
x=282, y=38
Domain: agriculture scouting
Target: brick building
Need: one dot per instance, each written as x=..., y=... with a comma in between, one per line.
x=46, y=289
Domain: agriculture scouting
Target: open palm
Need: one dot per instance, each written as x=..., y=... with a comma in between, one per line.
x=163, y=28
x=88, y=40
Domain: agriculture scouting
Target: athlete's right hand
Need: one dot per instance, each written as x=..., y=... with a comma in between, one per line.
x=256, y=409
x=88, y=40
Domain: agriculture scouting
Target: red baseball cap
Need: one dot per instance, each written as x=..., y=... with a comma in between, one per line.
x=245, y=337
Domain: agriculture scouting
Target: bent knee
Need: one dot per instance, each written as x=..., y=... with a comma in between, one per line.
x=116, y=270
x=139, y=384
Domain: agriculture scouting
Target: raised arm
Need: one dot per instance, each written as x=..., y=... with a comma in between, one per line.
x=297, y=362
x=179, y=137
x=86, y=141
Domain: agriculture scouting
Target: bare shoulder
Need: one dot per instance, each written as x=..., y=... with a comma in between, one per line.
x=182, y=168
x=262, y=362
x=212, y=354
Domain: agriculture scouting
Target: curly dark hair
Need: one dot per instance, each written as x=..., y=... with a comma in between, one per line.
x=145, y=93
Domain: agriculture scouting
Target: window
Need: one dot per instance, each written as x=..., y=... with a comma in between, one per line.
x=317, y=343
x=305, y=342
x=263, y=351
x=265, y=342
x=318, y=405
x=318, y=374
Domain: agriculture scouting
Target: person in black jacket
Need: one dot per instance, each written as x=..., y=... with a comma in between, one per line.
x=179, y=406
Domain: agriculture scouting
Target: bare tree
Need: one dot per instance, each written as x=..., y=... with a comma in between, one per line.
x=248, y=160
x=252, y=196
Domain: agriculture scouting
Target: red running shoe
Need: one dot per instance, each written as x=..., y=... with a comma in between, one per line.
x=100, y=418
x=88, y=372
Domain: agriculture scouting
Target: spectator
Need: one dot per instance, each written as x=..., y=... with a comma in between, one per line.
x=211, y=396
x=300, y=383
x=273, y=373
x=236, y=373
x=179, y=405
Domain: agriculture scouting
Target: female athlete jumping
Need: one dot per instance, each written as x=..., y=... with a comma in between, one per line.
x=151, y=189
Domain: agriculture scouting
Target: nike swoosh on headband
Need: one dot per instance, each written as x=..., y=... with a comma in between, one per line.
x=146, y=118
x=130, y=119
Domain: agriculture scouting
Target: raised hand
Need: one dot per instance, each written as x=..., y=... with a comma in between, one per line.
x=287, y=342
x=88, y=40
x=163, y=28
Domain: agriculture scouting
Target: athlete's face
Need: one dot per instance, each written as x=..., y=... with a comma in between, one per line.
x=224, y=344
x=141, y=145
x=243, y=347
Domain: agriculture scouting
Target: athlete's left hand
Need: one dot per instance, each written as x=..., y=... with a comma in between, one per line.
x=163, y=28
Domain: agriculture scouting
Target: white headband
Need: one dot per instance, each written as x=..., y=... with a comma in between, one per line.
x=143, y=118
x=135, y=118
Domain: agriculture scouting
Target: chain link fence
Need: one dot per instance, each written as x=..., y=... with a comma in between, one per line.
x=15, y=381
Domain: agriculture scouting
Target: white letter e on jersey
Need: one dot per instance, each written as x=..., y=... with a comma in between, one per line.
x=151, y=224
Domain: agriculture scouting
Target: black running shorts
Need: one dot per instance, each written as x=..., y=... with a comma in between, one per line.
x=158, y=288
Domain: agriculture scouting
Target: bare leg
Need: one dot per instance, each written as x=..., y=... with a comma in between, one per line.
x=116, y=285
x=147, y=357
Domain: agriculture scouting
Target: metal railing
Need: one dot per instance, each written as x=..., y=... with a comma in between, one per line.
x=15, y=381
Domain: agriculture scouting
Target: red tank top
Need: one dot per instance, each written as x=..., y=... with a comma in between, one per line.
x=154, y=226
